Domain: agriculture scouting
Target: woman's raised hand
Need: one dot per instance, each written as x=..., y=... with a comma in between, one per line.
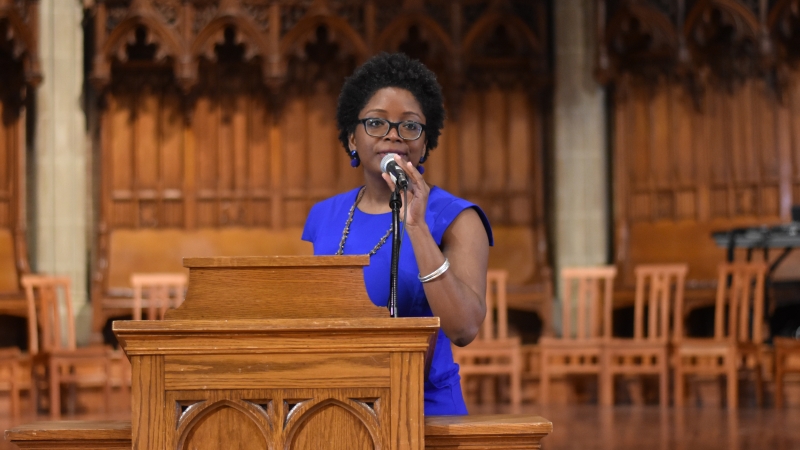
x=418, y=192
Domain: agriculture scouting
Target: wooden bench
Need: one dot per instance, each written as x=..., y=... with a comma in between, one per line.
x=501, y=431
x=162, y=251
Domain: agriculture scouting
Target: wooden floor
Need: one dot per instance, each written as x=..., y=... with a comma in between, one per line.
x=588, y=427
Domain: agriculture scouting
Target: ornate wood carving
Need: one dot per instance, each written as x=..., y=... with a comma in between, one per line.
x=706, y=126
x=19, y=73
x=213, y=109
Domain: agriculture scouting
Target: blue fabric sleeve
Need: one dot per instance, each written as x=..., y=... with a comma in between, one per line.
x=312, y=224
x=449, y=208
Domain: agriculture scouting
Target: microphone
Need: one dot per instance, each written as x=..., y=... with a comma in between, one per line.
x=388, y=165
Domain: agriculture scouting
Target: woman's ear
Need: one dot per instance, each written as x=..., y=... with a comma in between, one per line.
x=351, y=140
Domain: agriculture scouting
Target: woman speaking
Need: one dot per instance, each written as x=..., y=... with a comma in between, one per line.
x=393, y=105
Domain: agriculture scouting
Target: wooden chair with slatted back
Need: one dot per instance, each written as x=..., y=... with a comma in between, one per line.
x=10, y=376
x=158, y=291
x=56, y=360
x=738, y=333
x=493, y=352
x=589, y=291
x=658, y=289
x=787, y=360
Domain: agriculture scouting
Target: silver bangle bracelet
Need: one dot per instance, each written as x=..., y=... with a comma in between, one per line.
x=436, y=273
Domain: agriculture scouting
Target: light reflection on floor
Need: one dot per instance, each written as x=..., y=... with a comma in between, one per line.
x=588, y=427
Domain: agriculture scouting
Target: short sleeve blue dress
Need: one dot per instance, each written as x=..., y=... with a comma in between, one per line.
x=324, y=227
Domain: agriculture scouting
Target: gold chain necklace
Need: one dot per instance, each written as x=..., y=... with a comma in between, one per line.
x=346, y=230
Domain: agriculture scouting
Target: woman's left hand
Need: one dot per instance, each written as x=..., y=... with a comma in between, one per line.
x=418, y=192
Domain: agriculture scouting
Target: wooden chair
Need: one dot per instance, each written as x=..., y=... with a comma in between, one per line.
x=580, y=352
x=658, y=289
x=56, y=361
x=11, y=376
x=159, y=291
x=738, y=333
x=786, y=351
x=493, y=353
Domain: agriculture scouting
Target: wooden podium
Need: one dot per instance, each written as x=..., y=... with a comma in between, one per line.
x=281, y=353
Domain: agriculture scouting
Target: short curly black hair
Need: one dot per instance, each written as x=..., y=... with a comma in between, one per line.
x=391, y=70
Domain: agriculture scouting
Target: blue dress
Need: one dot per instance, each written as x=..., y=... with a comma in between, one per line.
x=324, y=227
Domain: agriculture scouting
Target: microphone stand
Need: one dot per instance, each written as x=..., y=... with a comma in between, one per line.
x=395, y=204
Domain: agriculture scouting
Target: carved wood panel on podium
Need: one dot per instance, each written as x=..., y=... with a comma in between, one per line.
x=278, y=352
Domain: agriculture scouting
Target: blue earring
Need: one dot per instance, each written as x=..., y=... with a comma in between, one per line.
x=421, y=169
x=354, y=160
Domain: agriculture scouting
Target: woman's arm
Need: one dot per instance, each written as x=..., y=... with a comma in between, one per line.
x=457, y=297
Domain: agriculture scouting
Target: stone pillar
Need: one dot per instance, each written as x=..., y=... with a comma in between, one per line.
x=581, y=184
x=60, y=154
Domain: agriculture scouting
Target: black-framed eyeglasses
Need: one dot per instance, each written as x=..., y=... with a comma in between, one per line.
x=377, y=127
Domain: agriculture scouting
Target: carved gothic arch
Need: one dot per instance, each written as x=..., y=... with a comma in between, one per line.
x=309, y=24
x=777, y=12
x=247, y=33
x=306, y=409
x=653, y=25
x=26, y=46
x=195, y=413
x=745, y=20
x=402, y=23
x=487, y=23
x=114, y=48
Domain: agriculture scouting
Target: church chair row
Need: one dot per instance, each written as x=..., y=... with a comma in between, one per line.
x=54, y=359
x=586, y=345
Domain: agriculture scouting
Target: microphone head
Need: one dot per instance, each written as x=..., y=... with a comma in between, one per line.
x=385, y=162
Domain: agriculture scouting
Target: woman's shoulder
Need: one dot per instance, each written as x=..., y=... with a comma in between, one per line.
x=335, y=203
x=444, y=207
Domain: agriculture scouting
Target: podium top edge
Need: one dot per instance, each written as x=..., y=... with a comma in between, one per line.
x=271, y=325
x=276, y=261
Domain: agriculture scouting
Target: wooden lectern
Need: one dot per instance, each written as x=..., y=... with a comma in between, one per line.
x=282, y=353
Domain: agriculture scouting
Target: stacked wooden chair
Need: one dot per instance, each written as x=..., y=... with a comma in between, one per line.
x=787, y=360
x=158, y=292
x=658, y=289
x=738, y=333
x=493, y=353
x=12, y=365
x=579, y=350
x=55, y=360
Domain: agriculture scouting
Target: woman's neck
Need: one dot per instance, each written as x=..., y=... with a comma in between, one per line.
x=376, y=195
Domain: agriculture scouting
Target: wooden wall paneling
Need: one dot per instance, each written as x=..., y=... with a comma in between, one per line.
x=120, y=136
x=258, y=171
x=621, y=189
x=494, y=146
x=276, y=173
x=794, y=102
x=471, y=141
x=660, y=171
x=237, y=186
x=783, y=142
x=436, y=166
x=766, y=152
x=295, y=158
x=681, y=131
x=205, y=125
x=323, y=151
x=701, y=138
x=521, y=127
x=171, y=161
x=146, y=158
